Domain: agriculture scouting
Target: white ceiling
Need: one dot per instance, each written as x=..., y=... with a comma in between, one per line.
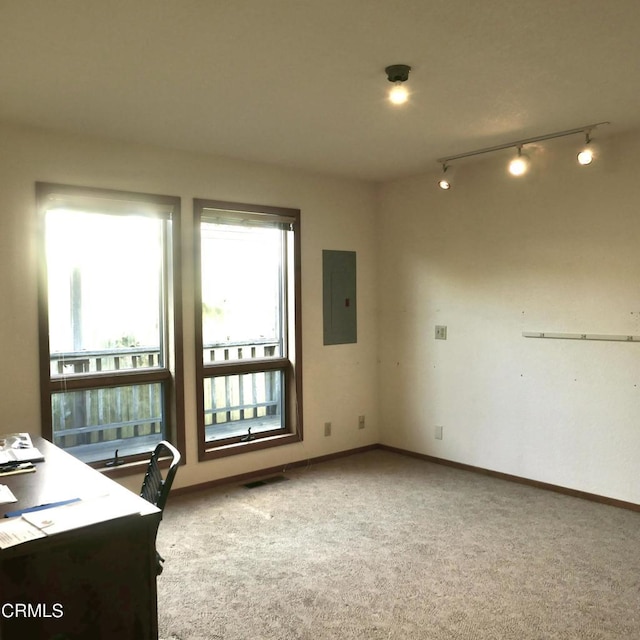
x=301, y=83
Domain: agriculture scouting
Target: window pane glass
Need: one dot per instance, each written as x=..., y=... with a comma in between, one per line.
x=234, y=404
x=242, y=293
x=104, y=287
x=92, y=424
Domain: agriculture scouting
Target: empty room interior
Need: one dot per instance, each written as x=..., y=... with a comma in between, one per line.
x=490, y=328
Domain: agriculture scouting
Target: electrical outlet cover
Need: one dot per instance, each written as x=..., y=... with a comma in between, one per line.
x=441, y=332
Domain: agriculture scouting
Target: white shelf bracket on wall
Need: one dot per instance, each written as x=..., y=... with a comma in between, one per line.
x=580, y=336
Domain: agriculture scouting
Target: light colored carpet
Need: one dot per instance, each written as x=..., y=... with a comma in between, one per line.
x=382, y=546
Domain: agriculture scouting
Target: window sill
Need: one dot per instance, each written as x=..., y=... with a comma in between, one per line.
x=135, y=467
x=122, y=470
x=209, y=452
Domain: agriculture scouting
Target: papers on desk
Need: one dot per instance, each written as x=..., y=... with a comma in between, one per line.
x=18, y=447
x=15, y=441
x=56, y=519
x=16, y=531
x=77, y=514
x=6, y=495
x=20, y=455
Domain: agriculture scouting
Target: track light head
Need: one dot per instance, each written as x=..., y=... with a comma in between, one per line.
x=587, y=155
x=520, y=164
x=445, y=181
x=398, y=74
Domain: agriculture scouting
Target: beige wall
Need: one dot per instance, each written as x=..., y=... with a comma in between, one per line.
x=339, y=381
x=556, y=251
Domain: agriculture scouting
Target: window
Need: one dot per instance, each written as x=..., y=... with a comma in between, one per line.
x=247, y=327
x=111, y=366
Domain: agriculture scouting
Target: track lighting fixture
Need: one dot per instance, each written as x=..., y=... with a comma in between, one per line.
x=520, y=164
x=587, y=155
x=398, y=74
x=445, y=181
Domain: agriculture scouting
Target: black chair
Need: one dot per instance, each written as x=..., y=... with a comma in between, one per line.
x=155, y=488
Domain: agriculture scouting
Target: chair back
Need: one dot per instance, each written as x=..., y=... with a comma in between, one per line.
x=155, y=488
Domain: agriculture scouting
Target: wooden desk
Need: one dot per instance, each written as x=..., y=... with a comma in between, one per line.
x=101, y=577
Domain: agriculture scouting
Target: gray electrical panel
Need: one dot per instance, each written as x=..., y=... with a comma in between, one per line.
x=339, y=297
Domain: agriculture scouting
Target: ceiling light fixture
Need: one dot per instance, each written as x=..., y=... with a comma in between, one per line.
x=519, y=165
x=398, y=74
x=587, y=155
x=445, y=182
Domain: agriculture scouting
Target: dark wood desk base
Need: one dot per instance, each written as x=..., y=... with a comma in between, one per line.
x=99, y=584
x=93, y=583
